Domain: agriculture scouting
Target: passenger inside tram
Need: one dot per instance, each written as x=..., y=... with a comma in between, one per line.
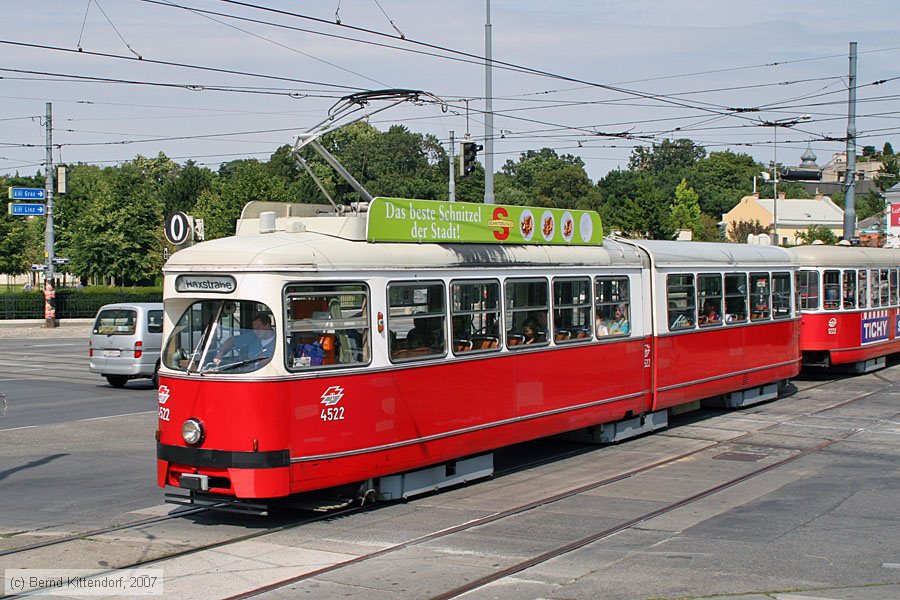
x=710, y=314
x=426, y=331
x=530, y=331
x=620, y=325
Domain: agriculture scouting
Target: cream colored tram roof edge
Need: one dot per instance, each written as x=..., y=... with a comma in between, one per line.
x=715, y=255
x=845, y=256
x=315, y=251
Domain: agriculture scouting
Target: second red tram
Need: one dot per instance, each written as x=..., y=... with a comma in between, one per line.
x=306, y=353
x=849, y=300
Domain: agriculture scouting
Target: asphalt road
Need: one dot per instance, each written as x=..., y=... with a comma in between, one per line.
x=73, y=449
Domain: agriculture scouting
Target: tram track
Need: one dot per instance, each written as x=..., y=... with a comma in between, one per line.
x=469, y=525
x=570, y=547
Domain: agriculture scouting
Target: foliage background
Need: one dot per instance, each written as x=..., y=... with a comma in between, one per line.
x=110, y=223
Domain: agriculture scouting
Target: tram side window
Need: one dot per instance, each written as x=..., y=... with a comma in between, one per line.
x=884, y=287
x=613, y=306
x=709, y=299
x=850, y=289
x=327, y=325
x=735, y=297
x=893, y=275
x=862, y=288
x=416, y=320
x=873, y=289
x=808, y=288
x=760, y=296
x=526, y=312
x=832, y=284
x=781, y=295
x=571, y=310
x=475, y=315
x=680, y=297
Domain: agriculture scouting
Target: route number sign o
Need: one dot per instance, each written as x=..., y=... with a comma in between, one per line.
x=178, y=228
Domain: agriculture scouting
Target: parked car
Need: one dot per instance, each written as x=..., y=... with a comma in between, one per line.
x=126, y=342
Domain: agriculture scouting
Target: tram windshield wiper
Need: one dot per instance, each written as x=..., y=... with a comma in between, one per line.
x=228, y=367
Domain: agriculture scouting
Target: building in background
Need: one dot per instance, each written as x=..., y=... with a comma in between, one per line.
x=795, y=215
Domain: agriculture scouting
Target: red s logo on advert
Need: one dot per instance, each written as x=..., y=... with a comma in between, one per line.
x=500, y=214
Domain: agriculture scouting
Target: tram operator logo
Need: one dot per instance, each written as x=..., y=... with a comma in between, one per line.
x=332, y=395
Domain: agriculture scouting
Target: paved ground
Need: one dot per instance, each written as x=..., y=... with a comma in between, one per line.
x=31, y=329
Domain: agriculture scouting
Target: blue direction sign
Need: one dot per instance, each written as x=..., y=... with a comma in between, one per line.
x=23, y=209
x=23, y=193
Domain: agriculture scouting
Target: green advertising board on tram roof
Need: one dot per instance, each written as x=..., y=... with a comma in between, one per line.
x=404, y=220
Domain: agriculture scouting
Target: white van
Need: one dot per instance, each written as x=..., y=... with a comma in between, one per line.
x=126, y=342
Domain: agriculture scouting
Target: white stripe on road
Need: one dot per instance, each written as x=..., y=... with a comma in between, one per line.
x=146, y=412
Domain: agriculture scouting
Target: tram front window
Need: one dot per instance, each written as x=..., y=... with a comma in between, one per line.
x=222, y=336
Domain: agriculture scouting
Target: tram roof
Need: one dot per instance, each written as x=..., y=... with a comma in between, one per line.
x=329, y=243
x=845, y=256
x=713, y=254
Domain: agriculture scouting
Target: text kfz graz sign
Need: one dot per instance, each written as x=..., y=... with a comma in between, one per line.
x=403, y=220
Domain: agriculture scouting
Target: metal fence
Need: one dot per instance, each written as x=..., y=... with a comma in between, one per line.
x=68, y=305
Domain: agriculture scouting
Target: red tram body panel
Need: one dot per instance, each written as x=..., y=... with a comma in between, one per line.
x=718, y=361
x=397, y=420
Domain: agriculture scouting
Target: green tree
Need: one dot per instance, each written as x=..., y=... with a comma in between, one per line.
x=820, y=233
x=739, y=230
x=648, y=214
x=709, y=230
x=181, y=189
x=544, y=178
x=686, y=210
x=239, y=182
x=666, y=156
x=21, y=238
x=721, y=180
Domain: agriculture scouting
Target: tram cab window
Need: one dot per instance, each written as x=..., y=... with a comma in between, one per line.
x=613, y=306
x=849, y=289
x=831, y=282
x=862, y=288
x=527, y=312
x=709, y=299
x=571, y=310
x=222, y=336
x=416, y=320
x=327, y=325
x=760, y=296
x=781, y=295
x=808, y=288
x=735, y=297
x=680, y=296
x=475, y=316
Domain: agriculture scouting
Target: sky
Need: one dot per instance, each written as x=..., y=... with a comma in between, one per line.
x=590, y=78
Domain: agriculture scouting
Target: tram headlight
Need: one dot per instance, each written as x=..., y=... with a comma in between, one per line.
x=192, y=432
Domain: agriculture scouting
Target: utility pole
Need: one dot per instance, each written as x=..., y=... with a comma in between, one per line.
x=49, y=292
x=488, y=113
x=850, y=179
x=452, y=168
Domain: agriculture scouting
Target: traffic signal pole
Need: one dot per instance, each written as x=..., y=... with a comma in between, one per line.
x=488, y=113
x=49, y=291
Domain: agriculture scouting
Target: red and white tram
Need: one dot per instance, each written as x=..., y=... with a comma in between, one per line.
x=849, y=300
x=305, y=353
